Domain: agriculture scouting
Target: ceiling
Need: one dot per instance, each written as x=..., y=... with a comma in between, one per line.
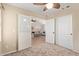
x=39, y=10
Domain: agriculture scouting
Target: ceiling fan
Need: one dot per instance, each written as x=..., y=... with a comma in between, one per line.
x=48, y=5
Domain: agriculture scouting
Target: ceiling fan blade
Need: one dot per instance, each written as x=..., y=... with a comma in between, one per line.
x=2, y=6
x=39, y=3
x=56, y=5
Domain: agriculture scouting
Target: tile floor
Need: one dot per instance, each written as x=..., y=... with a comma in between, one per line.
x=41, y=48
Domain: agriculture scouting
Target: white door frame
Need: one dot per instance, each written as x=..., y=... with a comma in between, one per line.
x=54, y=30
x=18, y=33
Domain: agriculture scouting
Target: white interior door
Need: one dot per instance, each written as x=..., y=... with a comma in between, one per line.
x=49, y=29
x=24, y=32
x=64, y=31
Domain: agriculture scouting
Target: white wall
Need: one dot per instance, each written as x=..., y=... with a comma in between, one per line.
x=9, y=30
x=76, y=30
x=38, y=25
x=0, y=30
x=0, y=25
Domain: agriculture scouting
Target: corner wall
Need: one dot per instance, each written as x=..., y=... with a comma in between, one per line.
x=76, y=31
x=10, y=27
x=0, y=29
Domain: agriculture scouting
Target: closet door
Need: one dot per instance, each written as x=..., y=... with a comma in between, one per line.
x=24, y=32
x=49, y=29
x=64, y=31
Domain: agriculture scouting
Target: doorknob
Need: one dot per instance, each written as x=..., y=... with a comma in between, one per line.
x=53, y=32
x=70, y=33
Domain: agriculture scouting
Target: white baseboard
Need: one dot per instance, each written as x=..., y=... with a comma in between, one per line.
x=8, y=53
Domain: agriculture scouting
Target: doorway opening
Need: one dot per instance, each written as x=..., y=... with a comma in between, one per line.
x=38, y=32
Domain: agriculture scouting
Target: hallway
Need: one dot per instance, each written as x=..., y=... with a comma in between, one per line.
x=41, y=48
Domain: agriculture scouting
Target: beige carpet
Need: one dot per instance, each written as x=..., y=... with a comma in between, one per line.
x=41, y=48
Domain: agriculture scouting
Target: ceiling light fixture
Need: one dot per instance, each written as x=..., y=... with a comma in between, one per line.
x=49, y=5
x=24, y=20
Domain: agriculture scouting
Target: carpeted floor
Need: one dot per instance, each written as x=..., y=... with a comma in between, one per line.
x=41, y=48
